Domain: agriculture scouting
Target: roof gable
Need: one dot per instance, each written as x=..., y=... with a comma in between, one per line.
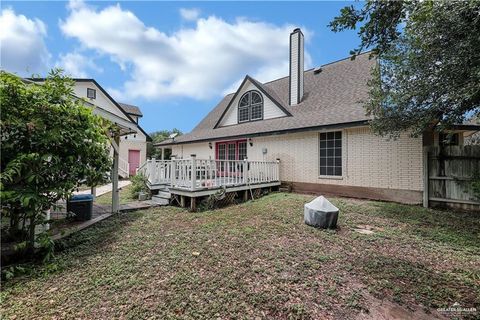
x=273, y=108
x=103, y=99
x=117, y=108
x=332, y=98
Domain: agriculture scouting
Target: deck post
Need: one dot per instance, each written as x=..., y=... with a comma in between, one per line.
x=193, y=204
x=172, y=171
x=194, y=171
x=162, y=152
x=116, y=158
x=182, y=201
x=153, y=173
x=277, y=170
x=245, y=171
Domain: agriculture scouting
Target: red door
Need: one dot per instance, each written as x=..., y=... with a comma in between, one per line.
x=230, y=150
x=133, y=161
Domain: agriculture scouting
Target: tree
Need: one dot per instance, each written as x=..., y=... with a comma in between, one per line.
x=50, y=142
x=159, y=136
x=429, y=61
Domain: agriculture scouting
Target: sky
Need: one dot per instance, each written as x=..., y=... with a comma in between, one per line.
x=175, y=60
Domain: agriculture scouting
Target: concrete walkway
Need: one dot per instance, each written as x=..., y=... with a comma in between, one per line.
x=105, y=188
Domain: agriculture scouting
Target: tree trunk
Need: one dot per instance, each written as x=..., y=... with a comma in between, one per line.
x=31, y=237
x=14, y=220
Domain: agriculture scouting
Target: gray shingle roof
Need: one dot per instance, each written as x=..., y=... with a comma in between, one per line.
x=331, y=97
x=131, y=109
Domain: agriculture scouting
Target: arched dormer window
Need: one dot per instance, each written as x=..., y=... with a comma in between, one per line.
x=250, y=107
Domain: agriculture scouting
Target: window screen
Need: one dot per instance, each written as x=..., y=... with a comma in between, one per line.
x=330, y=153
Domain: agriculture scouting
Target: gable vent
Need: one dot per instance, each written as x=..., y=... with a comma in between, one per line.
x=296, y=66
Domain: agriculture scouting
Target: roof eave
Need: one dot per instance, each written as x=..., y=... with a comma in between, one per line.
x=270, y=133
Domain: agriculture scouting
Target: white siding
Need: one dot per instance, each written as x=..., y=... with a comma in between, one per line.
x=101, y=100
x=293, y=68
x=201, y=150
x=137, y=141
x=270, y=109
x=302, y=68
x=296, y=65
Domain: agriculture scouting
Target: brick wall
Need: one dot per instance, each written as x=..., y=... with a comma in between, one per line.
x=368, y=160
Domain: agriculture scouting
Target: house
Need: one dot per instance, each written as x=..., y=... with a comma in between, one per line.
x=313, y=122
x=132, y=147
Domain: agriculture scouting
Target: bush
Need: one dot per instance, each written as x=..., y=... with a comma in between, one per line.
x=139, y=184
x=50, y=142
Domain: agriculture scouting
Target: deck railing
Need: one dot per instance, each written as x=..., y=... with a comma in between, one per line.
x=194, y=174
x=123, y=168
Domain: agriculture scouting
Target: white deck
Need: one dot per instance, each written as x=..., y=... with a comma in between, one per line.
x=197, y=177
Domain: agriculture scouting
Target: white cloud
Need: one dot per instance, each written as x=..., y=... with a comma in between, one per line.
x=77, y=65
x=189, y=14
x=23, y=49
x=198, y=62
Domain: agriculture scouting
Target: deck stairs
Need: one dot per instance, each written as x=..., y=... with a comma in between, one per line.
x=162, y=196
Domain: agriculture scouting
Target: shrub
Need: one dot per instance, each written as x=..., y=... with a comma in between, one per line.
x=49, y=142
x=139, y=184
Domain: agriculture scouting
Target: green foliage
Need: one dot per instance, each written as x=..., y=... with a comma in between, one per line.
x=159, y=136
x=429, y=61
x=50, y=142
x=139, y=184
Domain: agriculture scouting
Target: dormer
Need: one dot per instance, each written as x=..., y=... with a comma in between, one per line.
x=251, y=102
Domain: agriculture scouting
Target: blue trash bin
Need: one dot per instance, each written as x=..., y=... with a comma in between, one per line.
x=82, y=206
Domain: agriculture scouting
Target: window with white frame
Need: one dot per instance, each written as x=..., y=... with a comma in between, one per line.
x=250, y=107
x=91, y=93
x=330, y=148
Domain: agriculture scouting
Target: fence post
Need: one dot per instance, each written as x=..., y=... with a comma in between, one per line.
x=194, y=170
x=172, y=171
x=425, y=176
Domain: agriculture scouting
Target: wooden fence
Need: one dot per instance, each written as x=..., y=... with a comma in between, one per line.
x=448, y=176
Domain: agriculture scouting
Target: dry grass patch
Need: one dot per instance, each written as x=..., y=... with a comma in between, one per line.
x=256, y=259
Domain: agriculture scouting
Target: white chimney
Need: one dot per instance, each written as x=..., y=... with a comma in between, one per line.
x=296, y=66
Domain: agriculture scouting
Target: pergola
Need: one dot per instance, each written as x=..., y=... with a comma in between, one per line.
x=123, y=127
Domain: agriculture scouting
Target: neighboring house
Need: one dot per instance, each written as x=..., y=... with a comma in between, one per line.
x=133, y=147
x=313, y=121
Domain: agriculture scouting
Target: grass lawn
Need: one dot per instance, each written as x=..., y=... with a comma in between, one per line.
x=258, y=260
x=124, y=196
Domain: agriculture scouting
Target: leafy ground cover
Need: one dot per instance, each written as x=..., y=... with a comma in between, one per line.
x=258, y=260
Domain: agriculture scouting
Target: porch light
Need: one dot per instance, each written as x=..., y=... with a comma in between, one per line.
x=210, y=145
x=250, y=142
